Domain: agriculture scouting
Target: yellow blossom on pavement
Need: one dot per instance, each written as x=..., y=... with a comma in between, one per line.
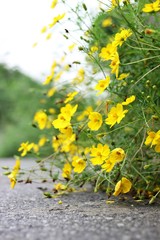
x=95, y=121
x=102, y=85
x=70, y=96
x=123, y=186
x=152, y=7
x=79, y=164
x=115, y=115
x=25, y=147
x=59, y=187
x=99, y=154
x=129, y=100
x=41, y=119
x=12, y=176
x=66, y=171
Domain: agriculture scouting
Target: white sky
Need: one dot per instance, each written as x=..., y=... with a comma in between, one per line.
x=20, y=25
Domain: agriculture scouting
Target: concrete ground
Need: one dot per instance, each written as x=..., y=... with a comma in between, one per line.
x=26, y=214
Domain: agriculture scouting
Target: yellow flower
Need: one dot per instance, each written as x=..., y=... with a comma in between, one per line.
x=79, y=164
x=102, y=85
x=108, y=165
x=152, y=7
x=117, y=155
x=35, y=148
x=95, y=121
x=48, y=80
x=129, y=100
x=62, y=121
x=115, y=115
x=115, y=64
x=66, y=171
x=122, y=76
x=54, y=3
x=25, y=148
x=123, y=186
x=42, y=141
x=108, y=52
x=85, y=113
x=49, y=35
x=44, y=29
x=153, y=139
x=80, y=76
x=14, y=173
x=71, y=47
x=56, y=19
x=121, y=37
x=94, y=49
x=41, y=119
x=69, y=110
x=99, y=154
x=107, y=22
x=70, y=96
x=59, y=187
x=51, y=92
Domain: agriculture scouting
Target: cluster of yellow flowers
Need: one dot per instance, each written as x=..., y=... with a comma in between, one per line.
x=78, y=127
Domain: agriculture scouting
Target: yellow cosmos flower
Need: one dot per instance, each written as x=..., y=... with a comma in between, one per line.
x=108, y=165
x=59, y=187
x=44, y=29
x=115, y=64
x=122, y=76
x=115, y=115
x=85, y=113
x=108, y=52
x=95, y=121
x=107, y=22
x=54, y=3
x=79, y=164
x=121, y=37
x=152, y=7
x=48, y=36
x=42, y=141
x=71, y=47
x=56, y=19
x=102, y=85
x=99, y=154
x=117, y=155
x=48, y=80
x=66, y=171
x=70, y=96
x=94, y=49
x=14, y=173
x=129, y=100
x=80, y=76
x=25, y=148
x=123, y=186
x=69, y=110
x=153, y=139
x=41, y=119
x=62, y=121
x=51, y=92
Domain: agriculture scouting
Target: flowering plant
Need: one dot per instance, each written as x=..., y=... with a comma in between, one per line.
x=102, y=125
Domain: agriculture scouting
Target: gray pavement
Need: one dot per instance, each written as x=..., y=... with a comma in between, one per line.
x=26, y=214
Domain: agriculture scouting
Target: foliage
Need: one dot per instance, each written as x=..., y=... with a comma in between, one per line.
x=104, y=128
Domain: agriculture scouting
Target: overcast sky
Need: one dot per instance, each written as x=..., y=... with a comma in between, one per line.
x=20, y=25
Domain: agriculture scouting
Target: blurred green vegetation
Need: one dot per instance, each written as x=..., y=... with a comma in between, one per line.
x=19, y=100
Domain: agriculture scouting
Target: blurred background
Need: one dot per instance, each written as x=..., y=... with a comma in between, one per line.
x=24, y=67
